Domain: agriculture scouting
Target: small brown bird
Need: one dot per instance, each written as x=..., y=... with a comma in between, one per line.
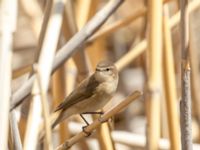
x=91, y=94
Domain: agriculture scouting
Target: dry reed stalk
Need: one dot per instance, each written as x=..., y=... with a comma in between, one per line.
x=25, y=89
x=127, y=58
x=70, y=20
x=44, y=66
x=30, y=139
x=10, y=140
x=88, y=30
x=16, y=140
x=58, y=90
x=78, y=20
x=70, y=28
x=154, y=81
x=129, y=139
x=133, y=140
x=192, y=6
x=164, y=128
x=8, y=15
x=65, y=84
x=174, y=20
x=140, y=48
x=170, y=86
x=185, y=104
x=47, y=12
x=34, y=13
x=138, y=140
x=97, y=50
x=22, y=126
x=104, y=137
x=118, y=24
x=80, y=57
x=71, y=71
x=194, y=61
x=21, y=71
x=195, y=87
x=66, y=51
x=84, y=11
x=113, y=111
x=45, y=109
x=38, y=30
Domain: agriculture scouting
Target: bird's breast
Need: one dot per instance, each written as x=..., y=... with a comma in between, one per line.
x=107, y=88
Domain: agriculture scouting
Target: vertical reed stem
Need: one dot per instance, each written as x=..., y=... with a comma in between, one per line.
x=154, y=81
x=185, y=105
x=170, y=86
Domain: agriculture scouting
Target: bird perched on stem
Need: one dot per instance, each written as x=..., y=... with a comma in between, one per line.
x=91, y=94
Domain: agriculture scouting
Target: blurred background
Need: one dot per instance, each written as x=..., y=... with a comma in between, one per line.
x=142, y=37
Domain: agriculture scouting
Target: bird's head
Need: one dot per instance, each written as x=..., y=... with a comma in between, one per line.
x=106, y=71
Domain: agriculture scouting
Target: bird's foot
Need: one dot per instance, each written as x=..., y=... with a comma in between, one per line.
x=102, y=120
x=87, y=134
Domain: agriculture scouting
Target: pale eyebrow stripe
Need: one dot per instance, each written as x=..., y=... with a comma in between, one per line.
x=104, y=69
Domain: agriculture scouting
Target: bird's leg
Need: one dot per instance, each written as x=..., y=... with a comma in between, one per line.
x=87, y=124
x=94, y=113
x=84, y=119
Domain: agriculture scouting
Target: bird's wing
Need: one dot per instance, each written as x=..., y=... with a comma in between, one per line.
x=83, y=91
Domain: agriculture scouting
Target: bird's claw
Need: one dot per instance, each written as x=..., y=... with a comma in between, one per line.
x=87, y=134
x=102, y=120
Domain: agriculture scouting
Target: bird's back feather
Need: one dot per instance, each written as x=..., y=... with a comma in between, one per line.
x=80, y=93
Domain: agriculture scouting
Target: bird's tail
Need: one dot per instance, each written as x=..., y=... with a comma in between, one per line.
x=56, y=118
x=60, y=116
x=56, y=121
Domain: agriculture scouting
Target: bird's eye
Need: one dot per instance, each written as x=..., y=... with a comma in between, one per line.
x=107, y=69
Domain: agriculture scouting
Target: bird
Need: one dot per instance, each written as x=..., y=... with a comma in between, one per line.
x=91, y=94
